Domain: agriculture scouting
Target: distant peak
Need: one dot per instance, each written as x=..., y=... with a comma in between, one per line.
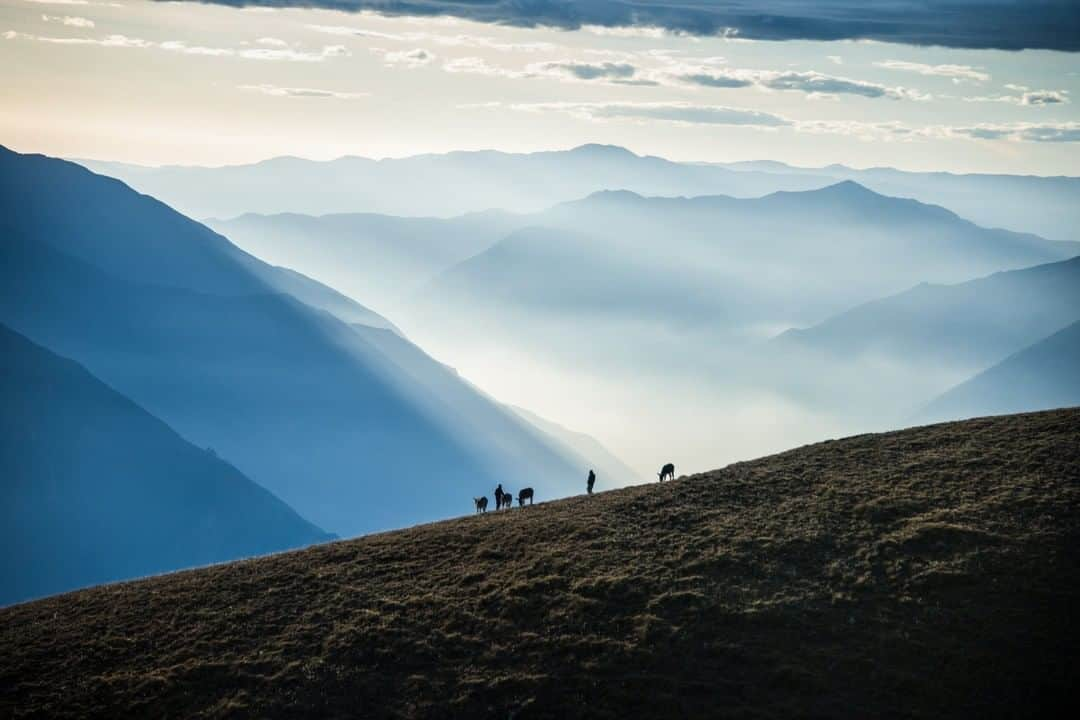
x=614, y=196
x=600, y=149
x=848, y=187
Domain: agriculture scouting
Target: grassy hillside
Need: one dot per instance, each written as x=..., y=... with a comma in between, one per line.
x=931, y=572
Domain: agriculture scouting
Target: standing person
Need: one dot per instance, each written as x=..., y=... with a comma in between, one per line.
x=591, y=481
x=498, y=496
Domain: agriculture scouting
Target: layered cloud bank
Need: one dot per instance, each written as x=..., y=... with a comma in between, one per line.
x=1005, y=24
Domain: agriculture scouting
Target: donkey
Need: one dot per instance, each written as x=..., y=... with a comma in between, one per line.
x=481, y=504
x=667, y=472
x=507, y=500
x=525, y=494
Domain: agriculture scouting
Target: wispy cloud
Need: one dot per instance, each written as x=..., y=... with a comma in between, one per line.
x=182, y=47
x=111, y=41
x=674, y=112
x=682, y=113
x=1006, y=24
x=956, y=72
x=75, y=2
x=300, y=92
x=1027, y=97
x=417, y=57
x=69, y=20
x=810, y=82
x=618, y=73
x=653, y=32
x=460, y=40
x=1021, y=132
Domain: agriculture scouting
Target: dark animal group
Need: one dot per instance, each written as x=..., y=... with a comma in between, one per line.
x=504, y=499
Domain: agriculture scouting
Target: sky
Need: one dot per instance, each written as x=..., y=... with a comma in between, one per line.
x=210, y=84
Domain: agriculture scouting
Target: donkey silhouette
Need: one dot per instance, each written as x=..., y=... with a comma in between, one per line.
x=481, y=504
x=525, y=494
x=667, y=472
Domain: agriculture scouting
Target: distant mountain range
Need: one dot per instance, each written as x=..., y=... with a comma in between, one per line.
x=715, y=266
x=773, y=262
x=380, y=258
x=462, y=182
x=206, y=338
x=1041, y=377
x=97, y=489
x=970, y=324
x=916, y=344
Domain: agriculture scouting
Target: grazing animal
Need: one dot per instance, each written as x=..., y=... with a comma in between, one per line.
x=525, y=494
x=481, y=504
x=668, y=472
x=507, y=500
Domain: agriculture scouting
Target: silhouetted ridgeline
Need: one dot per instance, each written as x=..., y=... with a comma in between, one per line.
x=930, y=572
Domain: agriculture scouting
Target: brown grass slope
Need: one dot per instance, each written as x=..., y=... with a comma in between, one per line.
x=931, y=572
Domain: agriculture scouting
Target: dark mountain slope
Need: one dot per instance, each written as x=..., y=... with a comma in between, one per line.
x=95, y=489
x=930, y=572
x=291, y=395
x=1043, y=376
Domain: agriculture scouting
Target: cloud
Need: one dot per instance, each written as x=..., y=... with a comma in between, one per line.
x=272, y=42
x=1003, y=24
x=651, y=32
x=112, y=41
x=682, y=113
x=418, y=57
x=460, y=40
x=810, y=82
x=1021, y=132
x=480, y=66
x=618, y=73
x=69, y=20
x=676, y=112
x=272, y=54
x=1027, y=97
x=179, y=46
x=835, y=59
x=715, y=80
x=294, y=92
x=956, y=72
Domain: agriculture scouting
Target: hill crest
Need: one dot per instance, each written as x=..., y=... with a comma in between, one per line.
x=878, y=575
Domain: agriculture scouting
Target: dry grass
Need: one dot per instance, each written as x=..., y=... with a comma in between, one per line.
x=926, y=573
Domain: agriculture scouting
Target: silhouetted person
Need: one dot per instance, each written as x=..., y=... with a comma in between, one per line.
x=668, y=471
x=498, y=496
x=590, y=482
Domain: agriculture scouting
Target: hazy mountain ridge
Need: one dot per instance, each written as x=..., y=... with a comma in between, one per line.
x=416, y=185
x=731, y=262
x=1043, y=376
x=97, y=490
x=529, y=182
x=975, y=323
